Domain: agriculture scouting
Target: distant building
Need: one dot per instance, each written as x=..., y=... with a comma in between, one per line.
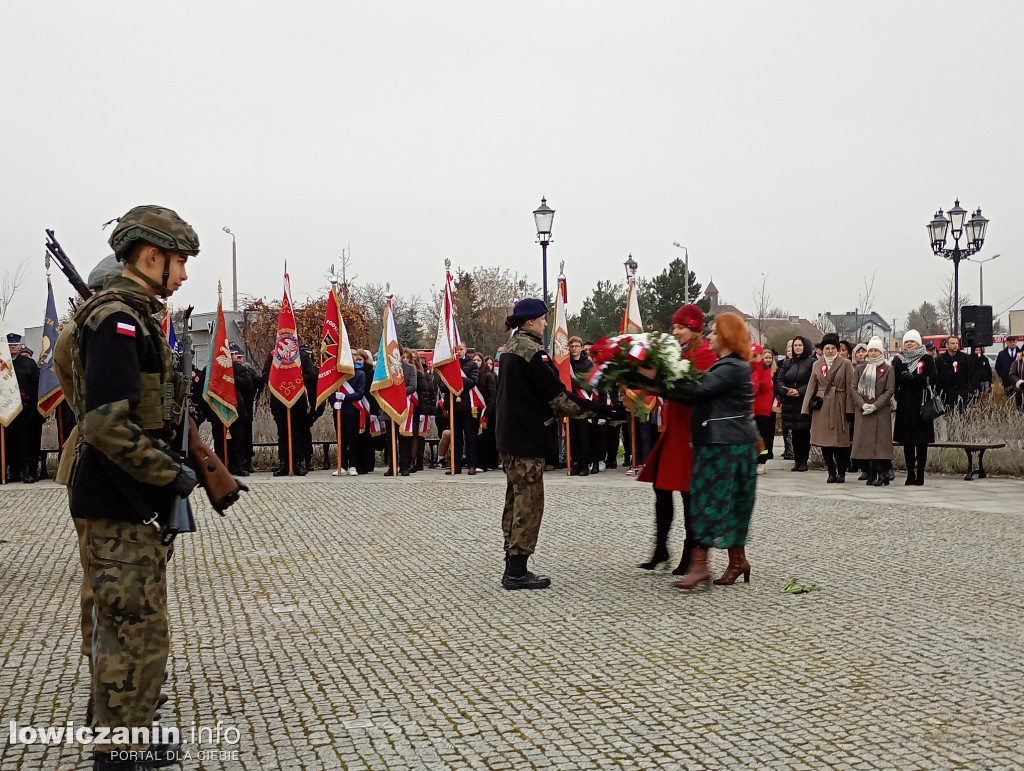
x=716, y=307
x=857, y=327
x=766, y=331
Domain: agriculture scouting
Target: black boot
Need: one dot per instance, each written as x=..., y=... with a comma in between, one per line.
x=595, y=468
x=28, y=474
x=518, y=577
x=922, y=459
x=880, y=477
x=831, y=464
x=684, y=561
x=870, y=474
x=584, y=470
x=663, y=514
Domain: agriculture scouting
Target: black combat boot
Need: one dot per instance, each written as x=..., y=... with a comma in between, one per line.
x=518, y=577
x=28, y=474
x=595, y=468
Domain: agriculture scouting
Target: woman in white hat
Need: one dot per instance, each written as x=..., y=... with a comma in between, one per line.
x=915, y=371
x=872, y=431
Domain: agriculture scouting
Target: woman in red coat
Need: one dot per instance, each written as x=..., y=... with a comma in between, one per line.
x=764, y=396
x=670, y=463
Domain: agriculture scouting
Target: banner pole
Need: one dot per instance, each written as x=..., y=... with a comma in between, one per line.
x=394, y=450
x=337, y=423
x=290, y=459
x=225, y=428
x=451, y=429
x=568, y=449
x=3, y=455
x=632, y=441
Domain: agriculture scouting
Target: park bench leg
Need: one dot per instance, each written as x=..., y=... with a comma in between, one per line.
x=970, y=466
x=981, y=464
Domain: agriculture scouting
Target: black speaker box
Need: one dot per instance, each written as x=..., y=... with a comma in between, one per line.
x=976, y=325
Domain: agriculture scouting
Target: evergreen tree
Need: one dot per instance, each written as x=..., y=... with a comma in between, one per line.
x=662, y=295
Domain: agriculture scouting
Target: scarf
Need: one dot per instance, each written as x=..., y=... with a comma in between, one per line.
x=911, y=358
x=830, y=360
x=866, y=384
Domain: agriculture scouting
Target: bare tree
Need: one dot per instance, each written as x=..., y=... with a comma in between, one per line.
x=9, y=286
x=865, y=305
x=762, y=304
x=947, y=307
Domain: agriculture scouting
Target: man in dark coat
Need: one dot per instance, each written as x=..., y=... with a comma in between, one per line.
x=954, y=373
x=21, y=461
x=240, y=436
x=581, y=429
x=1006, y=358
x=464, y=440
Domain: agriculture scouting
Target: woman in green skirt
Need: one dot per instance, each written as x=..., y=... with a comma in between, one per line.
x=724, y=440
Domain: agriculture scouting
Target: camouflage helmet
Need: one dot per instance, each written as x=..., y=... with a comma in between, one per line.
x=155, y=225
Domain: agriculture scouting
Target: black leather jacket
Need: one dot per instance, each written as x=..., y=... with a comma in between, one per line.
x=723, y=403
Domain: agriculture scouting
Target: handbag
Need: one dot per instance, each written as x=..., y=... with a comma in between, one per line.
x=816, y=401
x=932, y=405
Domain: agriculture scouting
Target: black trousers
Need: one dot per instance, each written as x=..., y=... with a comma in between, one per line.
x=404, y=450
x=916, y=457
x=280, y=414
x=801, y=445
x=837, y=459
x=766, y=428
x=580, y=442
x=613, y=442
x=464, y=440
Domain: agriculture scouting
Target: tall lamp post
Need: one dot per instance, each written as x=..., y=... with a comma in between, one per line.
x=972, y=231
x=981, y=276
x=234, y=269
x=686, y=281
x=543, y=216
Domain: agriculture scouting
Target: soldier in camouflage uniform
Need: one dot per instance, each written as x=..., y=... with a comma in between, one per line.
x=531, y=398
x=125, y=477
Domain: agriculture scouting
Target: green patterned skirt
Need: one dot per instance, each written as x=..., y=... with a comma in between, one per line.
x=723, y=488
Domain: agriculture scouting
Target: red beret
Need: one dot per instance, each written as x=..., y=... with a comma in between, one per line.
x=689, y=316
x=756, y=349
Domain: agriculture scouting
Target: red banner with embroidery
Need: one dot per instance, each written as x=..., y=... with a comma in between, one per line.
x=285, y=381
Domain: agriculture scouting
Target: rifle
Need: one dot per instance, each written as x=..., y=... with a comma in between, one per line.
x=221, y=487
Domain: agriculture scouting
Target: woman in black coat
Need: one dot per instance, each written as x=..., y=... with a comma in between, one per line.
x=980, y=372
x=791, y=385
x=915, y=371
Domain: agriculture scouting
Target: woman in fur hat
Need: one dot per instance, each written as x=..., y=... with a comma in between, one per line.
x=828, y=400
x=872, y=397
x=915, y=371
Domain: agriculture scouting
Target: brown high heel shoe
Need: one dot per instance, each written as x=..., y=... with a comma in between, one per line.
x=698, y=572
x=738, y=566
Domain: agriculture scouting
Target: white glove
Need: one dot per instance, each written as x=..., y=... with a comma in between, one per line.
x=867, y=409
x=1020, y=383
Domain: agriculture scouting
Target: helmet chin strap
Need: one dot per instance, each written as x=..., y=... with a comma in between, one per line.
x=160, y=290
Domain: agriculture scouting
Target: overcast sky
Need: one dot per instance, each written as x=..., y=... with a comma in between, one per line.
x=811, y=141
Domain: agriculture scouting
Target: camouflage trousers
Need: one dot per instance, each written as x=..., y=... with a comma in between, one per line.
x=85, y=592
x=524, y=503
x=128, y=576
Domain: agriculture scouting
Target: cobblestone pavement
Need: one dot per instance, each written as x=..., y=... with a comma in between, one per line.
x=359, y=623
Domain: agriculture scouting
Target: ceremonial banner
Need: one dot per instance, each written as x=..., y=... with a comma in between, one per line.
x=10, y=393
x=560, y=337
x=631, y=321
x=167, y=325
x=388, y=386
x=335, y=359
x=285, y=381
x=50, y=392
x=446, y=356
x=219, y=388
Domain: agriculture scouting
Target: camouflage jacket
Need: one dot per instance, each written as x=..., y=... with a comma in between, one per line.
x=119, y=374
x=530, y=398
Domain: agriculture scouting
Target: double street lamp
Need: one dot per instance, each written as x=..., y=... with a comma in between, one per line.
x=973, y=232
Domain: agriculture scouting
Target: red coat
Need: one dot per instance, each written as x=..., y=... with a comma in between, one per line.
x=764, y=388
x=670, y=462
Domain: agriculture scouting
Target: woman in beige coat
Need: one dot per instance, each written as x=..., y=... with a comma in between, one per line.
x=872, y=398
x=830, y=426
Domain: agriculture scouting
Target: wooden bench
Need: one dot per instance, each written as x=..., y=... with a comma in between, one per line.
x=970, y=449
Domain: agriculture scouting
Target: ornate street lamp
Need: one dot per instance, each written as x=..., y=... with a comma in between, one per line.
x=957, y=225
x=631, y=266
x=543, y=217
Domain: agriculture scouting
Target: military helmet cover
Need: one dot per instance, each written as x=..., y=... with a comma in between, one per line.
x=105, y=268
x=155, y=225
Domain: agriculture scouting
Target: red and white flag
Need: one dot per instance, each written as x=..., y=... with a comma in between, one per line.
x=446, y=355
x=219, y=388
x=631, y=322
x=560, y=337
x=285, y=381
x=335, y=357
